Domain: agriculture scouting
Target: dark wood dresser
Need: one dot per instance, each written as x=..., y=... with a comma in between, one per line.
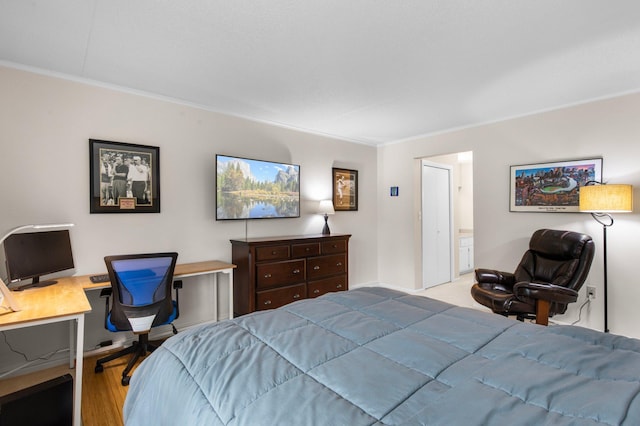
x=272, y=272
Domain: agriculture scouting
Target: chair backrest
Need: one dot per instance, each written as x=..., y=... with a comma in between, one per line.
x=557, y=257
x=141, y=285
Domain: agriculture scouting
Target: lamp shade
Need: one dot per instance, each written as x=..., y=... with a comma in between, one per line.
x=326, y=207
x=606, y=198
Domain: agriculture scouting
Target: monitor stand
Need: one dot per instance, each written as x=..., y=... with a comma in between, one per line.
x=35, y=282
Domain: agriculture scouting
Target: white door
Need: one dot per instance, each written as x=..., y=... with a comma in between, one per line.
x=437, y=223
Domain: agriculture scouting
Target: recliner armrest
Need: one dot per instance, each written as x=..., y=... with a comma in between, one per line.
x=549, y=292
x=495, y=277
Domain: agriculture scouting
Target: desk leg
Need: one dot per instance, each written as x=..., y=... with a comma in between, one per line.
x=77, y=383
x=214, y=284
x=230, y=273
x=72, y=344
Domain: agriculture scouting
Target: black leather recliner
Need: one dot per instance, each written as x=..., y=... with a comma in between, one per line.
x=547, y=279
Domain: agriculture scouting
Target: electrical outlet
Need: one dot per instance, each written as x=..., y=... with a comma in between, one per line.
x=591, y=292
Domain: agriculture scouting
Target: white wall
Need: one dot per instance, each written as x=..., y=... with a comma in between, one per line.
x=607, y=128
x=45, y=125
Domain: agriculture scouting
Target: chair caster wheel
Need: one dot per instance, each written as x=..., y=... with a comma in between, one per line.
x=125, y=380
x=99, y=368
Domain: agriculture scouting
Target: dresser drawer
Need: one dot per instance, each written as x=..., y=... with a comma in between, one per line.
x=338, y=246
x=280, y=273
x=275, y=298
x=304, y=250
x=272, y=253
x=323, y=266
x=320, y=287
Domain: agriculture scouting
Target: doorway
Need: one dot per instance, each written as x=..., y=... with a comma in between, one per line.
x=446, y=217
x=437, y=224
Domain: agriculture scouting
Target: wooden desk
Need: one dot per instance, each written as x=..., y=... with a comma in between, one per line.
x=66, y=301
x=183, y=270
x=63, y=301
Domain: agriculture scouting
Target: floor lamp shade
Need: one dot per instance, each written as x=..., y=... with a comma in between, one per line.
x=606, y=198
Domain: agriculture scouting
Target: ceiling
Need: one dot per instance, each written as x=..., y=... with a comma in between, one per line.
x=369, y=71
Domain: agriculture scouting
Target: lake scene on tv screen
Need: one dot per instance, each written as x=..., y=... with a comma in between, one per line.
x=256, y=189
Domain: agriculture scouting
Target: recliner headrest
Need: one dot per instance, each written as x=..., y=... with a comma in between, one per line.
x=558, y=244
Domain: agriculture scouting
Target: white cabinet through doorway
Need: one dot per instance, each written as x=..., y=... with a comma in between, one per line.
x=466, y=254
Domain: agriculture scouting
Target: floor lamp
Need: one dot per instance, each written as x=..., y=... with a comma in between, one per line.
x=600, y=200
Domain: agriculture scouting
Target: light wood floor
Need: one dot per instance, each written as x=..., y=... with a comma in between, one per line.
x=102, y=394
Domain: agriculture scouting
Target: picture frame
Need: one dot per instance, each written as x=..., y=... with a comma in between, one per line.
x=551, y=187
x=123, y=177
x=345, y=189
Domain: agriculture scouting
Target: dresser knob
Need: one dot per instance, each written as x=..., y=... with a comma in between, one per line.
x=267, y=275
x=316, y=291
x=274, y=252
x=339, y=286
x=315, y=268
x=267, y=302
x=308, y=249
x=335, y=246
x=296, y=271
x=296, y=296
x=339, y=264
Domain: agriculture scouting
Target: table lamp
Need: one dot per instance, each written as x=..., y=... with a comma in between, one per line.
x=326, y=208
x=600, y=199
x=23, y=227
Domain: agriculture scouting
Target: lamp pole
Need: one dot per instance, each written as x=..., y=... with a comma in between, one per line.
x=604, y=252
x=606, y=220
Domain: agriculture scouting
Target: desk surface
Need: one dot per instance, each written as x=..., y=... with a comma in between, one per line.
x=182, y=270
x=67, y=296
x=45, y=303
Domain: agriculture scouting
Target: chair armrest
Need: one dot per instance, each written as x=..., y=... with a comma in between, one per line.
x=177, y=285
x=548, y=292
x=495, y=277
x=106, y=292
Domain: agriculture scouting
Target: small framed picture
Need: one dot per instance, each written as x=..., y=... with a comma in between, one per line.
x=124, y=177
x=551, y=187
x=345, y=189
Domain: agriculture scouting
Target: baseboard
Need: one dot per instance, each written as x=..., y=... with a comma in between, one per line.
x=155, y=334
x=385, y=285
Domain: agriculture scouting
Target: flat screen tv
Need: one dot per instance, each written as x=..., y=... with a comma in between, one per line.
x=33, y=254
x=256, y=189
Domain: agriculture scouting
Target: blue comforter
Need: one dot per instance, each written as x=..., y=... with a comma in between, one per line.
x=376, y=356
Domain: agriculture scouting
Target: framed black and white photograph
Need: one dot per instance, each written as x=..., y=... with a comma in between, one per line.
x=551, y=187
x=124, y=177
x=345, y=189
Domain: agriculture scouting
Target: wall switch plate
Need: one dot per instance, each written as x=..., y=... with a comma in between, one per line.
x=591, y=292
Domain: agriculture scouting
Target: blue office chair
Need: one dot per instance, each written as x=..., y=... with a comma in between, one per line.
x=141, y=299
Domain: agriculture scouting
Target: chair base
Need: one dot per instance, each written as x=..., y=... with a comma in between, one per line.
x=138, y=349
x=541, y=315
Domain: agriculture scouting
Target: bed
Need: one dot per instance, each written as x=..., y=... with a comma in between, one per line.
x=375, y=356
